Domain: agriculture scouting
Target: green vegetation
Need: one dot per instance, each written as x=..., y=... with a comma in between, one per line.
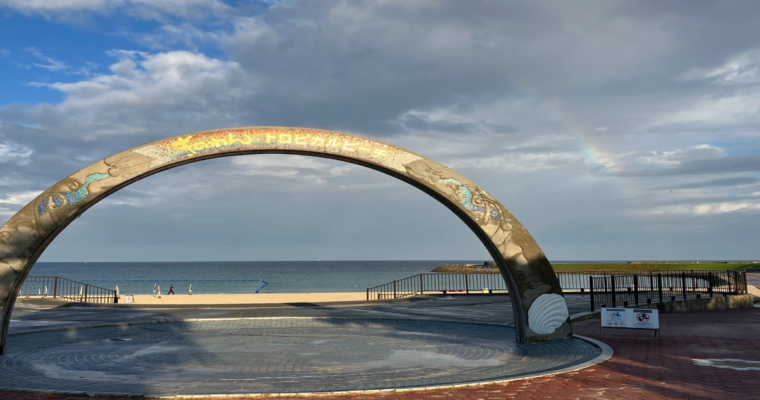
x=655, y=267
x=490, y=268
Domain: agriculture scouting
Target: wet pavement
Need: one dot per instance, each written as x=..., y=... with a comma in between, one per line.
x=276, y=356
x=701, y=355
x=476, y=308
x=421, y=342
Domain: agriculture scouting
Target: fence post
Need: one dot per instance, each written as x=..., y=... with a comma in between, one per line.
x=694, y=282
x=55, y=287
x=394, y=289
x=591, y=290
x=367, y=294
x=729, y=282
x=86, y=287
x=659, y=285
x=466, y=283
x=683, y=282
x=710, y=283
x=614, y=295
x=744, y=283
x=422, y=284
x=636, y=289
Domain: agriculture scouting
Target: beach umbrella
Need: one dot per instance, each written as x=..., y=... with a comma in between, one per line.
x=191, y=288
x=117, y=290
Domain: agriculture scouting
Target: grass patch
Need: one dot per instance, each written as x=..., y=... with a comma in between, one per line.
x=655, y=267
x=487, y=268
x=461, y=269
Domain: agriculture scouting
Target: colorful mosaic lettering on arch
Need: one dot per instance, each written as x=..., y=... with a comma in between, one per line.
x=205, y=143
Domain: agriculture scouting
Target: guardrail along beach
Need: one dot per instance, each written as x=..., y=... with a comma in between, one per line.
x=65, y=289
x=606, y=288
x=644, y=288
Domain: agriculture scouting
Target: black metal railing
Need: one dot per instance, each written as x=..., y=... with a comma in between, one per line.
x=66, y=289
x=669, y=284
x=643, y=288
x=437, y=283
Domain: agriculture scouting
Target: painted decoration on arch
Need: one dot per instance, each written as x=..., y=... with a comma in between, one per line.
x=524, y=266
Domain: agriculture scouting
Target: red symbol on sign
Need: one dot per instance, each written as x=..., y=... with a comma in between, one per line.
x=643, y=317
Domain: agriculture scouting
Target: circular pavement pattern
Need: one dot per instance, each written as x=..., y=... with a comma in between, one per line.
x=276, y=356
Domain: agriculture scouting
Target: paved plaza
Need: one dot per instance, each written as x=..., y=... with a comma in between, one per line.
x=423, y=342
x=277, y=355
x=702, y=355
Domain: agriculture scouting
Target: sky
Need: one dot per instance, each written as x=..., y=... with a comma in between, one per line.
x=613, y=130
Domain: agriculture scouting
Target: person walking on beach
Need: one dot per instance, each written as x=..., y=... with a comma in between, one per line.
x=171, y=290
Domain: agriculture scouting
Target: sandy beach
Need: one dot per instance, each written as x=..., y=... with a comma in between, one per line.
x=261, y=298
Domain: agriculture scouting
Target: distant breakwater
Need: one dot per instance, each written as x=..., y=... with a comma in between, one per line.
x=693, y=262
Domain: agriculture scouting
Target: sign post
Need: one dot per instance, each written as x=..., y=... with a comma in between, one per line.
x=631, y=319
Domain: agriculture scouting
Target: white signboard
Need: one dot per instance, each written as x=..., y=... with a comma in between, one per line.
x=630, y=318
x=613, y=317
x=130, y=299
x=645, y=319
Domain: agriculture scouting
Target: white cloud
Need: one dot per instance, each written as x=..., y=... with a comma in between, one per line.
x=54, y=5
x=10, y=152
x=531, y=102
x=739, y=108
x=704, y=209
x=87, y=69
x=51, y=64
x=20, y=198
x=676, y=157
x=739, y=103
x=150, y=88
x=4, y=53
x=72, y=10
x=299, y=172
x=741, y=69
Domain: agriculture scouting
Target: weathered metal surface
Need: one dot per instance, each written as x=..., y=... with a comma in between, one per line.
x=522, y=263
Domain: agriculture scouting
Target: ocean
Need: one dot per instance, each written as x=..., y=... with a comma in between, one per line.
x=241, y=277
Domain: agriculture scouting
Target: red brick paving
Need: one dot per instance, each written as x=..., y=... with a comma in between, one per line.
x=642, y=367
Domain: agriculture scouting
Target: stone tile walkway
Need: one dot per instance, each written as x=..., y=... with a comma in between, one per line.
x=642, y=367
x=277, y=356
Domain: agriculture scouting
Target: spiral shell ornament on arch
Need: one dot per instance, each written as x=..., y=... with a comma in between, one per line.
x=547, y=313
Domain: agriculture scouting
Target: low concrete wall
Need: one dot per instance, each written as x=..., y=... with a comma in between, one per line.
x=754, y=291
x=715, y=303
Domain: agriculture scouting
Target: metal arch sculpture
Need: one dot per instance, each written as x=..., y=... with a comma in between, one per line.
x=540, y=310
